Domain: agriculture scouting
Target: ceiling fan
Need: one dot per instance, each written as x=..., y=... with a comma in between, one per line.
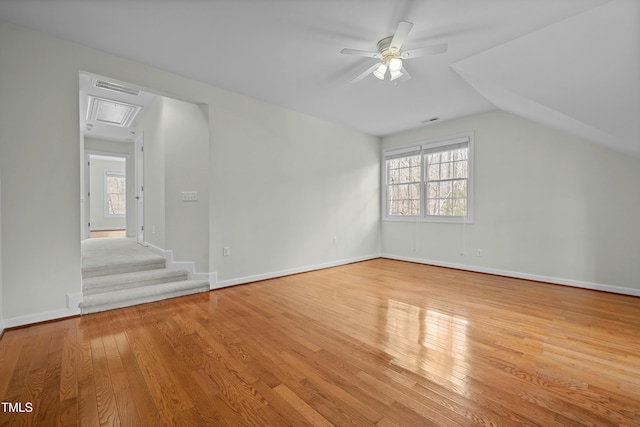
x=391, y=55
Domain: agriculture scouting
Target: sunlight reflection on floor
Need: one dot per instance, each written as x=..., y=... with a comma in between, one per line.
x=427, y=340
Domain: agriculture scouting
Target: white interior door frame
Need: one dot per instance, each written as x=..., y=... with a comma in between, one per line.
x=87, y=183
x=139, y=168
x=87, y=196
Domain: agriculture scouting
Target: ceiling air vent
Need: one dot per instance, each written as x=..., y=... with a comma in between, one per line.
x=111, y=112
x=103, y=84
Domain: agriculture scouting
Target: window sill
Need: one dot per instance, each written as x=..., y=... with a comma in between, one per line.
x=434, y=219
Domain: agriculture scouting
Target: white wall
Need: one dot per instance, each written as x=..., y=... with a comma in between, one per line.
x=84, y=233
x=186, y=147
x=150, y=126
x=280, y=184
x=1, y=287
x=176, y=139
x=284, y=185
x=547, y=205
x=99, y=221
x=43, y=263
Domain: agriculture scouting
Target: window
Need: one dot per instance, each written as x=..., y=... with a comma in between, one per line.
x=430, y=182
x=115, y=204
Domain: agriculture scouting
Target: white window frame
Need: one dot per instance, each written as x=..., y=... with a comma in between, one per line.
x=112, y=173
x=466, y=138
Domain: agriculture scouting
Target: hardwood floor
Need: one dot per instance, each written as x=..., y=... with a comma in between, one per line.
x=380, y=342
x=108, y=233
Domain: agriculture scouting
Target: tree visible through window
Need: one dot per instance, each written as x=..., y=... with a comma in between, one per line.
x=430, y=182
x=403, y=194
x=447, y=174
x=115, y=194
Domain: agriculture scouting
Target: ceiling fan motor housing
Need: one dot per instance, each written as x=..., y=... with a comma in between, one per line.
x=384, y=47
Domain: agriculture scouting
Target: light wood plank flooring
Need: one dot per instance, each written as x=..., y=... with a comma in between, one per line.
x=380, y=342
x=108, y=233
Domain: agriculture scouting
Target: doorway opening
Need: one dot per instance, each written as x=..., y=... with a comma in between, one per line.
x=107, y=183
x=167, y=144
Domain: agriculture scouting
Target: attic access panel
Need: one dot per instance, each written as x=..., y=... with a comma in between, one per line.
x=111, y=112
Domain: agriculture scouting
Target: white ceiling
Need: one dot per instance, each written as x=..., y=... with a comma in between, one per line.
x=572, y=64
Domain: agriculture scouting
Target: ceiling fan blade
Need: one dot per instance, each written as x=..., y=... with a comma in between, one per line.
x=357, y=52
x=429, y=50
x=401, y=34
x=405, y=75
x=365, y=73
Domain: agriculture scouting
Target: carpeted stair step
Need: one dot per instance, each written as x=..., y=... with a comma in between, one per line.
x=116, y=255
x=134, y=296
x=116, y=282
x=127, y=266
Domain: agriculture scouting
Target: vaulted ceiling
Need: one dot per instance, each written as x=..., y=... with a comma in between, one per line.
x=571, y=64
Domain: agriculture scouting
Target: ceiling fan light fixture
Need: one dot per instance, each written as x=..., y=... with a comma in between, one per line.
x=380, y=71
x=395, y=64
x=395, y=74
x=392, y=56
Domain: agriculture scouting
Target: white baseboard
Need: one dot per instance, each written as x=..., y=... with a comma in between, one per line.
x=519, y=275
x=274, y=274
x=73, y=299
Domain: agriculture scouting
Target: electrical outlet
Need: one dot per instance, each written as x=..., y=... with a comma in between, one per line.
x=226, y=251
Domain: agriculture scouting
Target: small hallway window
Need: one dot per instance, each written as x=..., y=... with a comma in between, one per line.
x=115, y=194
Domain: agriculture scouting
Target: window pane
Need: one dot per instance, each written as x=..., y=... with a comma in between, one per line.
x=403, y=185
x=415, y=207
x=414, y=174
x=460, y=207
x=445, y=171
x=460, y=154
x=432, y=207
x=432, y=190
x=404, y=169
x=446, y=186
x=403, y=199
x=460, y=189
x=433, y=158
x=433, y=171
x=443, y=180
x=445, y=189
x=116, y=204
x=460, y=169
x=116, y=194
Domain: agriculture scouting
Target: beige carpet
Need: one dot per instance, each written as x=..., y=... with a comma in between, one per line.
x=113, y=255
x=118, y=272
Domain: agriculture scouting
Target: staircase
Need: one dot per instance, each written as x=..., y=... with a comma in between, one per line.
x=117, y=272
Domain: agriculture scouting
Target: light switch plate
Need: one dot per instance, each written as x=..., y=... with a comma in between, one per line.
x=189, y=196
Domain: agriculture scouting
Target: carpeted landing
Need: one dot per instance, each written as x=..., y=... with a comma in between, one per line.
x=118, y=272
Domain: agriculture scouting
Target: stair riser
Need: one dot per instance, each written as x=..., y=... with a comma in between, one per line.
x=122, y=268
x=115, y=286
x=142, y=300
x=144, y=292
